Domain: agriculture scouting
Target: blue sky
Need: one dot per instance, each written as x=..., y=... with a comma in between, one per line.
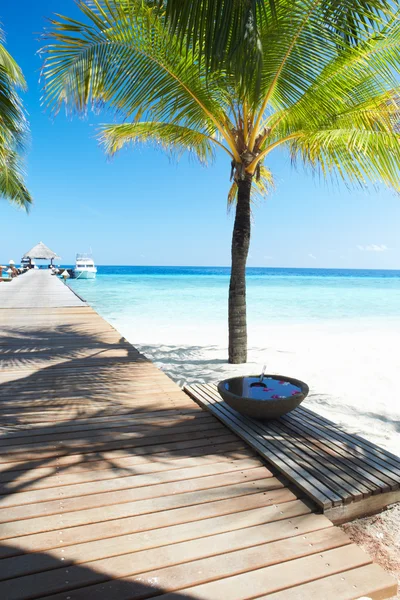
x=142, y=209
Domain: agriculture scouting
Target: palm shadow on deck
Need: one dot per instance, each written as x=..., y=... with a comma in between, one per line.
x=86, y=382
x=75, y=582
x=104, y=419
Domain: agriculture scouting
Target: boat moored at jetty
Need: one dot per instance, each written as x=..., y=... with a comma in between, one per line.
x=84, y=267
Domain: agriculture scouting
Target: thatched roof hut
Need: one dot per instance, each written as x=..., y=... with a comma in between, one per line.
x=40, y=252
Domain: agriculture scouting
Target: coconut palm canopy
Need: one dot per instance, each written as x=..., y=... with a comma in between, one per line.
x=41, y=252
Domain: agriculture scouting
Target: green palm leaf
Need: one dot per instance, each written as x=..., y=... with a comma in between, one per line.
x=168, y=136
x=12, y=185
x=134, y=66
x=231, y=34
x=13, y=132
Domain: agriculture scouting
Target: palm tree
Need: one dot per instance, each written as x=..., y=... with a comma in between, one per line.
x=13, y=131
x=332, y=104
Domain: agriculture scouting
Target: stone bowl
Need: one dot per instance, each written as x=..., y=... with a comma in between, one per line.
x=282, y=395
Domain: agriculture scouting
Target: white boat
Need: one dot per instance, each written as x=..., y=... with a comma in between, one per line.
x=84, y=267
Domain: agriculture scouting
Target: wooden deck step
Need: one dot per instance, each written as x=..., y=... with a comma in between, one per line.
x=345, y=475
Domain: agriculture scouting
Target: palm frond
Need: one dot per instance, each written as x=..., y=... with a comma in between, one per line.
x=356, y=156
x=225, y=32
x=346, y=123
x=170, y=137
x=123, y=57
x=355, y=79
x=232, y=34
x=12, y=184
x=13, y=132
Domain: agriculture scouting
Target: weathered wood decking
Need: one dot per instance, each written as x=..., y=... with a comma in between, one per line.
x=115, y=485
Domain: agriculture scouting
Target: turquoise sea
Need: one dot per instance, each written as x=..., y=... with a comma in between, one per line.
x=199, y=294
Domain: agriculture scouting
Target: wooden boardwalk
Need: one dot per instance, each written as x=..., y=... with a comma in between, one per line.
x=115, y=485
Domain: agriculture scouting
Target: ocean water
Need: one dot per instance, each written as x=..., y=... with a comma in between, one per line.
x=338, y=330
x=187, y=295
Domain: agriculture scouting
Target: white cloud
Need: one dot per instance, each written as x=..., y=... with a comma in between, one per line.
x=312, y=256
x=373, y=248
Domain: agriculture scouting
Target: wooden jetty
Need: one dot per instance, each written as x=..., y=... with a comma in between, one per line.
x=115, y=485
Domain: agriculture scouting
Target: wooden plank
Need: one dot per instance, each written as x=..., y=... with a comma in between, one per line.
x=59, y=479
x=161, y=452
x=218, y=529
x=107, y=429
x=81, y=420
x=353, y=442
x=130, y=482
x=358, y=464
x=368, y=581
x=271, y=532
x=355, y=490
x=162, y=416
x=120, y=467
x=300, y=452
x=131, y=441
x=346, y=453
x=28, y=511
x=179, y=575
x=163, y=510
x=267, y=580
x=349, y=438
x=175, y=448
x=370, y=506
x=375, y=485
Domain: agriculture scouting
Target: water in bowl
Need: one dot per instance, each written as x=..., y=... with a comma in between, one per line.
x=272, y=389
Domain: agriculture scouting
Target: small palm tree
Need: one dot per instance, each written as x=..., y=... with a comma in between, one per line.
x=333, y=105
x=13, y=131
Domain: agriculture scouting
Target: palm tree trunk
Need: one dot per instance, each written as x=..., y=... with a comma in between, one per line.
x=237, y=286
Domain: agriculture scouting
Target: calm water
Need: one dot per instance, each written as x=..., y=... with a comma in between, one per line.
x=199, y=294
